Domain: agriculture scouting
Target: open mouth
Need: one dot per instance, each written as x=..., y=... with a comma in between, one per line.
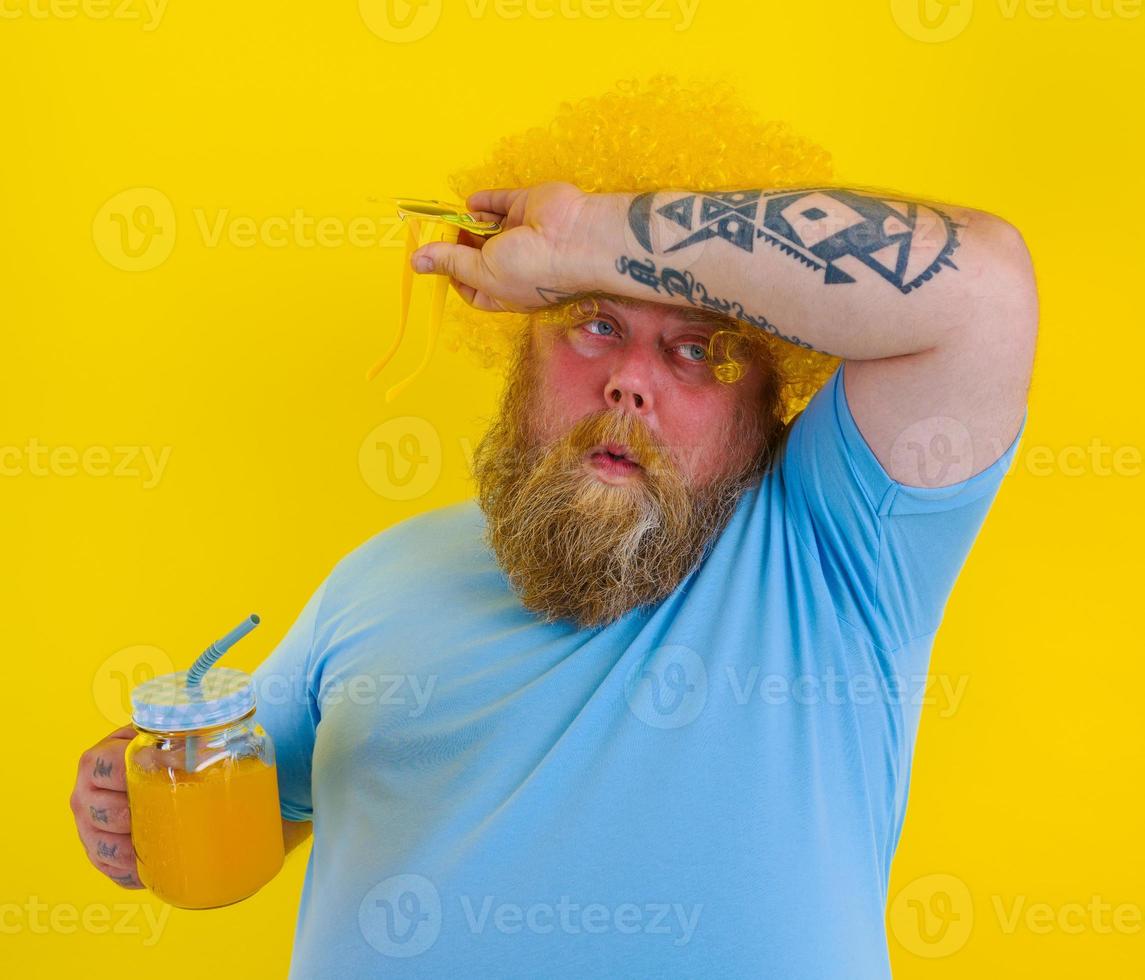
x=613, y=459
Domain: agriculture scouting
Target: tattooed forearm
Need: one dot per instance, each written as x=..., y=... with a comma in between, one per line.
x=673, y=282
x=831, y=230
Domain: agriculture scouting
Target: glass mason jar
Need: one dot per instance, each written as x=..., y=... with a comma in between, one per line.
x=203, y=790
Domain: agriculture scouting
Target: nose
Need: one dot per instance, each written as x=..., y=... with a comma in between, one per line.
x=628, y=385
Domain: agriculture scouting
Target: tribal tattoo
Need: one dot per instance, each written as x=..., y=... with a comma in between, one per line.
x=828, y=229
x=674, y=282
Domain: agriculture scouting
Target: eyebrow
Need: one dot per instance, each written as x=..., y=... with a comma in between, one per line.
x=686, y=314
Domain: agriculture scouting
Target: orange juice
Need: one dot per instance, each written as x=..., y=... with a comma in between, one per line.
x=208, y=838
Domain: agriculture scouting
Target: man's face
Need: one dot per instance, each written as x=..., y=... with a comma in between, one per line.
x=581, y=533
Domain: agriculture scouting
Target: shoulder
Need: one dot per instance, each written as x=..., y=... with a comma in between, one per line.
x=432, y=543
x=428, y=536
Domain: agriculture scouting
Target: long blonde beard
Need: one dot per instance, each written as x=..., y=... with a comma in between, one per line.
x=574, y=547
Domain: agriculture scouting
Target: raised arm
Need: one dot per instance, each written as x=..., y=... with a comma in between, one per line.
x=934, y=307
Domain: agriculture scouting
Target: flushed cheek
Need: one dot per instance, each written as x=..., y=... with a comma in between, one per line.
x=701, y=449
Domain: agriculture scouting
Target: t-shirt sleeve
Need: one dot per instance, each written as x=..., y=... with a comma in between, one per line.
x=286, y=706
x=890, y=553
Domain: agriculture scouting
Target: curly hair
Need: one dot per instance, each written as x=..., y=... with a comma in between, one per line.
x=663, y=133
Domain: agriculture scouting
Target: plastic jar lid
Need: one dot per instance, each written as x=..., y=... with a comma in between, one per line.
x=167, y=704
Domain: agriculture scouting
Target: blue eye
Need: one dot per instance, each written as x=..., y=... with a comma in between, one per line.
x=700, y=348
x=597, y=320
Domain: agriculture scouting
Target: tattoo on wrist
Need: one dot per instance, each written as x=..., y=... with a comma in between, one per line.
x=553, y=296
x=824, y=228
x=674, y=282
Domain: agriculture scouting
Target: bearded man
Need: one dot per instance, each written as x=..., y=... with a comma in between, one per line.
x=657, y=686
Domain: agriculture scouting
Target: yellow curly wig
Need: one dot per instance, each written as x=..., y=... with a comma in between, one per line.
x=663, y=133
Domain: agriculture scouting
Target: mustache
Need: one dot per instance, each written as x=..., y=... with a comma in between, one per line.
x=610, y=426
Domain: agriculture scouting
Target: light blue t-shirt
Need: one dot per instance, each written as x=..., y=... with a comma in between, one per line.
x=711, y=787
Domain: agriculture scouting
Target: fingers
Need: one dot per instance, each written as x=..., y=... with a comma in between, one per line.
x=456, y=261
x=104, y=810
x=113, y=850
x=476, y=299
x=102, y=766
x=497, y=200
x=102, y=813
x=127, y=877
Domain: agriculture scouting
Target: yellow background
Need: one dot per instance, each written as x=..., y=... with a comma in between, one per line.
x=247, y=364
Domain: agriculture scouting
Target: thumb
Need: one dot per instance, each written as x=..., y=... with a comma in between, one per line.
x=462, y=262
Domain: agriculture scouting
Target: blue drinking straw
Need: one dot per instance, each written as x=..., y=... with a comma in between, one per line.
x=208, y=657
x=204, y=662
